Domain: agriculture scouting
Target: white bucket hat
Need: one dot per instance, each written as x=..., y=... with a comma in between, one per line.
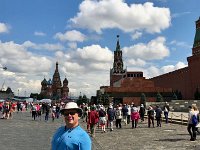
x=72, y=106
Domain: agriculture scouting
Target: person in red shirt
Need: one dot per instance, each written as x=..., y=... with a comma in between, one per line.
x=93, y=120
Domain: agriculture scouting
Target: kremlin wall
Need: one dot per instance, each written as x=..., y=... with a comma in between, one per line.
x=127, y=86
x=185, y=80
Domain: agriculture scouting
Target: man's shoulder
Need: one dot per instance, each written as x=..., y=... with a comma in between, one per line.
x=80, y=132
x=62, y=128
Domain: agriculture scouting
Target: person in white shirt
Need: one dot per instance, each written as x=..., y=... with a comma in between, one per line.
x=193, y=112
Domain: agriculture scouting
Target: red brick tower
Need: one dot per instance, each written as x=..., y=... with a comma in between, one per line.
x=194, y=61
x=44, y=87
x=56, y=84
x=65, y=89
x=117, y=71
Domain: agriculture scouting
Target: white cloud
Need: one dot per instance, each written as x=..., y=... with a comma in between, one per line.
x=136, y=35
x=72, y=45
x=45, y=46
x=95, y=53
x=176, y=15
x=135, y=62
x=107, y=14
x=88, y=59
x=170, y=68
x=153, y=71
x=4, y=28
x=25, y=70
x=17, y=59
x=155, y=49
x=180, y=44
x=72, y=36
x=36, y=33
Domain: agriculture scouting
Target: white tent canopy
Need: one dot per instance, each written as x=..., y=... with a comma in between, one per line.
x=29, y=100
x=2, y=100
x=45, y=100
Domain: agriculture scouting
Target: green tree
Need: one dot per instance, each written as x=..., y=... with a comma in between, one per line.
x=159, y=97
x=143, y=99
x=79, y=101
x=174, y=96
x=84, y=99
x=105, y=99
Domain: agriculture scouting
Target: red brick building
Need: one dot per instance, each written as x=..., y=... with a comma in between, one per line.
x=128, y=86
x=185, y=80
x=53, y=88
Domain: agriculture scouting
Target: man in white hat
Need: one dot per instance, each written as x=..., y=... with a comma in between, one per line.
x=71, y=136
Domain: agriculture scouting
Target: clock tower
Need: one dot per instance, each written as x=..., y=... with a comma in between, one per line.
x=117, y=71
x=118, y=62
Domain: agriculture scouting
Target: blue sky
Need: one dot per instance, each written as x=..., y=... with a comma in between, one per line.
x=156, y=37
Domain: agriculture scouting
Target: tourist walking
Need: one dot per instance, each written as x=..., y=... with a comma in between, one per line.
x=102, y=119
x=47, y=110
x=111, y=116
x=158, y=115
x=142, y=112
x=93, y=120
x=166, y=111
x=134, y=116
x=192, y=121
x=71, y=136
x=129, y=114
x=125, y=113
x=34, y=111
x=57, y=111
x=150, y=115
x=118, y=116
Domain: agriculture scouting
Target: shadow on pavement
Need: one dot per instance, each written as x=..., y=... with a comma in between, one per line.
x=170, y=140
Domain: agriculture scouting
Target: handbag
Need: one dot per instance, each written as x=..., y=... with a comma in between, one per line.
x=198, y=125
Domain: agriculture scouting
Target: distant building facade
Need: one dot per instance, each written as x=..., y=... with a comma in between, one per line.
x=185, y=80
x=54, y=89
x=6, y=95
x=128, y=86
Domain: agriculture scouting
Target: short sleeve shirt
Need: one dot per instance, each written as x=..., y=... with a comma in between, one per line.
x=71, y=139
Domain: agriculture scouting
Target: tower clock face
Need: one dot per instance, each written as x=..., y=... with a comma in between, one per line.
x=118, y=63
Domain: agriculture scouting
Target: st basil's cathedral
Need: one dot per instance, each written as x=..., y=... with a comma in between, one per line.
x=54, y=89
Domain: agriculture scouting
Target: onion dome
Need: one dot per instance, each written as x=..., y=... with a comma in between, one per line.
x=49, y=82
x=44, y=82
x=65, y=81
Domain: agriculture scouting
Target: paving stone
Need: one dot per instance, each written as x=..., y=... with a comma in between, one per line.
x=22, y=133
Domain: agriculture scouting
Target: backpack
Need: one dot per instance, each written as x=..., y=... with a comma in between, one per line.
x=194, y=120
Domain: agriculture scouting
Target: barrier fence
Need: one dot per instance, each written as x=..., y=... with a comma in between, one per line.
x=176, y=117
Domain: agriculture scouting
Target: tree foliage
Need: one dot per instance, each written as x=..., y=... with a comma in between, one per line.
x=143, y=99
x=159, y=97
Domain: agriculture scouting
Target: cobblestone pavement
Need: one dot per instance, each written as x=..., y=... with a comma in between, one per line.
x=22, y=133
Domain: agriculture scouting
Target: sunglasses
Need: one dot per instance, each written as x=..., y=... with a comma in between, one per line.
x=67, y=113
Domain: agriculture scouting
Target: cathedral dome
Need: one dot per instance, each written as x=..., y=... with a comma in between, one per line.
x=44, y=82
x=49, y=82
x=65, y=81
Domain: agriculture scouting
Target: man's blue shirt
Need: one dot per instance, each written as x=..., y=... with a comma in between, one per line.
x=71, y=139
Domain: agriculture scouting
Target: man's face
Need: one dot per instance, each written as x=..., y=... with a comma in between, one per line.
x=71, y=118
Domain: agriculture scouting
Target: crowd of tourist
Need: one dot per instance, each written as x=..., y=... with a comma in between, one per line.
x=103, y=117
x=121, y=115
x=37, y=109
